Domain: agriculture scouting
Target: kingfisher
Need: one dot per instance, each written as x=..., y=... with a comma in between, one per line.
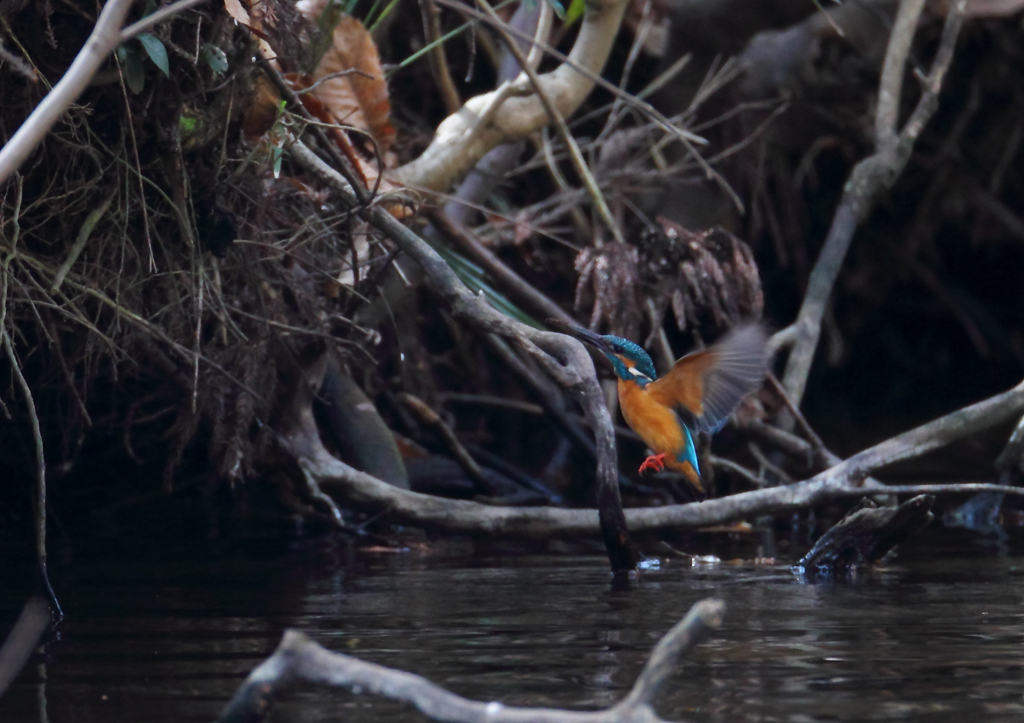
x=697, y=395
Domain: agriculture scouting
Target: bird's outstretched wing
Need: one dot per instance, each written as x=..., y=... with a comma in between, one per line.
x=706, y=386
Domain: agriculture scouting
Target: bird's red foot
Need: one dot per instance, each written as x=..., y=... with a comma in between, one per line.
x=655, y=462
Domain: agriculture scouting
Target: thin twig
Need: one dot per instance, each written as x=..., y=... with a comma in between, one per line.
x=431, y=418
x=37, y=438
x=518, y=289
x=155, y=18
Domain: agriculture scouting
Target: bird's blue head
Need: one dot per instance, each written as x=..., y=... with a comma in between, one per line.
x=630, y=361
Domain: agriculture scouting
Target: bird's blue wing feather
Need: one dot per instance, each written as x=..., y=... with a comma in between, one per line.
x=689, y=452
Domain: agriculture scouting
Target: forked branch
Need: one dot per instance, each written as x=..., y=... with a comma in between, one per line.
x=870, y=178
x=105, y=37
x=299, y=659
x=842, y=481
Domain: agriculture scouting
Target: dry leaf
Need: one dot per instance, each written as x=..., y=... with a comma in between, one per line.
x=250, y=13
x=239, y=13
x=359, y=98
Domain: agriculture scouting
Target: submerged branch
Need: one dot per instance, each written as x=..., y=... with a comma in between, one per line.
x=298, y=658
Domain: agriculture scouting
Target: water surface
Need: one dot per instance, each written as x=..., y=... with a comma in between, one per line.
x=933, y=637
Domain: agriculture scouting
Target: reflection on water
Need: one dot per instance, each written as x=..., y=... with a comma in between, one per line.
x=157, y=641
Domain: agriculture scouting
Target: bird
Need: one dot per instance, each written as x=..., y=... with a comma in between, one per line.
x=697, y=395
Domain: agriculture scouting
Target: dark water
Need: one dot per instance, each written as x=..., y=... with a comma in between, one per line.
x=937, y=636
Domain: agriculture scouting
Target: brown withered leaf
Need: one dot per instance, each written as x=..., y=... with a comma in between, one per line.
x=359, y=97
x=253, y=14
x=240, y=13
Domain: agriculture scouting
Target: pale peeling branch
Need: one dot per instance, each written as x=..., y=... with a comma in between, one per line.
x=459, y=141
x=299, y=659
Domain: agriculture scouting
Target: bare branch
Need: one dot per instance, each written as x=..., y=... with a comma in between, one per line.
x=842, y=481
x=298, y=658
x=558, y=119
x=438, y=61
x=871, y=177
x=155, y=18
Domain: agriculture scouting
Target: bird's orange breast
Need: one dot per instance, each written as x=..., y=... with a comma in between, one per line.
x=657, y=425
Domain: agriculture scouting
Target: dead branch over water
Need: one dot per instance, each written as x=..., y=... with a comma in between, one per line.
x=300, y=660
x=842, y=481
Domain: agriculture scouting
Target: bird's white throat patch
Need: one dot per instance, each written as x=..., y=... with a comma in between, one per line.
x=639, y=374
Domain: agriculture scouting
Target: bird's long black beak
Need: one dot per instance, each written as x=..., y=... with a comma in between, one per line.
x=585, y=335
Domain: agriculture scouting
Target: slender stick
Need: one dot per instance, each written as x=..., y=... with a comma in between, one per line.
x=438, y=62
x=556, y=117
x=37, y=437
x=155, y=18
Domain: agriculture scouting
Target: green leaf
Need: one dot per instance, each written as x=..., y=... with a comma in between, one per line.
x=132, y=68
x=216, y=58
x=277, y=154
x=558, y=7
x=156, y=52
x=475, y=278
x=575, y=12
x=186, y=125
